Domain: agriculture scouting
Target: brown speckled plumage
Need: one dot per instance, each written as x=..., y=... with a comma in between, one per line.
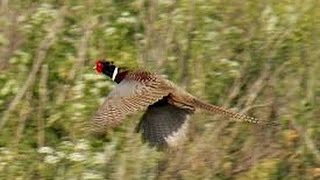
x=164, y=101
x=133, y=93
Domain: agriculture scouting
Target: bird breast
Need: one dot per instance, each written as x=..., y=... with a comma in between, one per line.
x=126, y=88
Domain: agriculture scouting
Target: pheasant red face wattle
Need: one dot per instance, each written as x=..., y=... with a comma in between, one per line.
x=99, y=66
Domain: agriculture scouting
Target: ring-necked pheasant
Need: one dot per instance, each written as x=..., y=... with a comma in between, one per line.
x=168, y=106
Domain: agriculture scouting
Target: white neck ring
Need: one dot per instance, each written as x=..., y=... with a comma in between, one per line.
x=115, y=72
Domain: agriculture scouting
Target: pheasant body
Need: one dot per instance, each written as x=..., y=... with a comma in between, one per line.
x=168, y=106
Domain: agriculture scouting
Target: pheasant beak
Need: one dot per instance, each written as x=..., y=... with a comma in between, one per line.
x=95, y=68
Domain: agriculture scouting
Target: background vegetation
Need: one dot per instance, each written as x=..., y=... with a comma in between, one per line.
x=261, y=57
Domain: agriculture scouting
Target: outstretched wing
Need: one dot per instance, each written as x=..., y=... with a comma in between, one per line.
x=131, y=95
x=164, y=125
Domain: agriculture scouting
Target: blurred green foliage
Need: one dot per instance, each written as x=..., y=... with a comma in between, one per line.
x=262, y=56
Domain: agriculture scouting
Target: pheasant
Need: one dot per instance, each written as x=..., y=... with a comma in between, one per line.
x=169, y=107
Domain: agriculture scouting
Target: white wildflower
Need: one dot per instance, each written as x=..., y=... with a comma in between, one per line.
x=94, y=91
x=78, y=90
x=166, y=2
x=67, y=144
x=50, y=159
x=234, y=73
x=125, y=14
x=3, y=40
x=101, y=84
x=172, y=58
x=269, y=17
x=92, y=175
x=126, y=20
x=45, y=150
x=78, y=87
x=7, y=87
x=2, y=166
x=4, y=151
x=76, y=115
x=234, y=63
x=138, y=35
x=79, y=106
x=45, y=6
x=77, y=157
x=211, y=35
x=110, y=30
x=91, y=77
x=61, y=154
x=99, y=158
x=21, y=18
x=224, y=60
x=82, y=145
x=79, y=7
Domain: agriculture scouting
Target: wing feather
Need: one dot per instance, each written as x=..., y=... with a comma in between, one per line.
x=128, y=97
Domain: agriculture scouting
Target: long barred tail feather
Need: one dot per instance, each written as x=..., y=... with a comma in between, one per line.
x=229, y=113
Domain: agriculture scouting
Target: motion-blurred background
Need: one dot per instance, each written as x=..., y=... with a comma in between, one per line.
x=260, y=57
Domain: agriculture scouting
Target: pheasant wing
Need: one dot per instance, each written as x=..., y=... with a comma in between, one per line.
x=126, y=98
x=164, y=125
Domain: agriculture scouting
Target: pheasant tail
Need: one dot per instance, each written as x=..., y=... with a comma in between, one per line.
x=220, y=110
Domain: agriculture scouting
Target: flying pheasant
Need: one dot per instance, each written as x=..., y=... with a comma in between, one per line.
x=168, y=107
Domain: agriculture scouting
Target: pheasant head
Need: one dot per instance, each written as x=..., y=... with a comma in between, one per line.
x=109, y=69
